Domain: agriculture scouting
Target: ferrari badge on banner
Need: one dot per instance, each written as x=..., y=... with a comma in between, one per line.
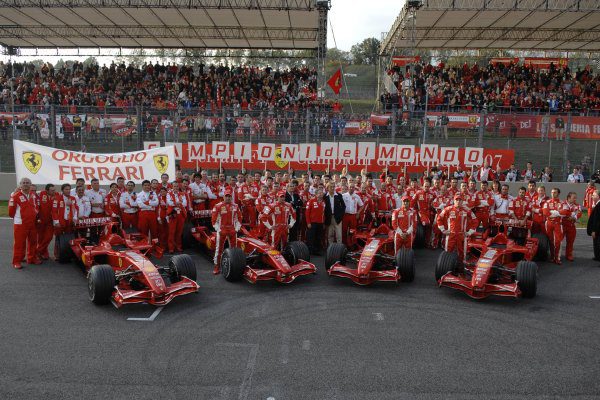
x=45, y=165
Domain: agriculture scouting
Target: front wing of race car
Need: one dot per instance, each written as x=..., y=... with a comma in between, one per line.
x=282, y=275
x=122, y=296
x=364, y=277
x=462, y=283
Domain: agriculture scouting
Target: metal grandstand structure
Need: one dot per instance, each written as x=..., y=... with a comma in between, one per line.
x=183, y=24
x=542, y=25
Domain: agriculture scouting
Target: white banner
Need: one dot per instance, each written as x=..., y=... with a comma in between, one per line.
x=45, y=165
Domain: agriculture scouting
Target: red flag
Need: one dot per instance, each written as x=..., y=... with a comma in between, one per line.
x=335, y=82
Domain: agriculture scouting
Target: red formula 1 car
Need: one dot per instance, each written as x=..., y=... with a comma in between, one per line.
x=252, y=258
x=371, y=259
x=118, y=268
x=499, y=264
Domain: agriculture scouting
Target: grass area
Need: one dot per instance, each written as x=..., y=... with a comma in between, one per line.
x=3, y=208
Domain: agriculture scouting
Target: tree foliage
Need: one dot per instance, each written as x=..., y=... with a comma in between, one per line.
x=366, y=52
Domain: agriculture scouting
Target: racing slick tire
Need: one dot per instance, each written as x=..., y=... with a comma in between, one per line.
x=233, y=263
x=543, y=250
x=420, y=240
x=101, y=284
x=527, y=278
x=336, y=252
x=296, y=251
x=182, y=265
x=187, y=239
x=62, y=248
x=446, y=262
x=405, y=263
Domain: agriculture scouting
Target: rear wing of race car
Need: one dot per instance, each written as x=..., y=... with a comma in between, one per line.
x=200, y=214
x=85, y=223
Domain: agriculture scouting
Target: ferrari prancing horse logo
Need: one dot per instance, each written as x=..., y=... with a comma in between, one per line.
x=161, y=162
x=32, y=161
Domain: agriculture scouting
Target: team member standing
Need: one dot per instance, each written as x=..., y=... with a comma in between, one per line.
x=84, y=206
x=129, y=207
x=353, y=204
x=23, y=209
x=96, y=196
x=569, y=222
x=335, y=208
x=404, y=222
x=422, y=203
x=315, y=216
x=537, y=205
x=293, y=199
x=227, y=222
x=484, y=200
x=554, y=210
x=176, y=210
x=588, y=197
x=147, y=202
x=111, y=202
x=519, y=207
x=64, y=209
x=593, y=225
x=45, y=230
x=502, y=201
x=456, y=222
x=279, y=218
x=163, y=218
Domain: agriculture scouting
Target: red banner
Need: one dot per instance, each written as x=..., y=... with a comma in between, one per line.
x=544, y=63
x=357, y=127
x=401, y=61
x=504, y=60
x=354, y=155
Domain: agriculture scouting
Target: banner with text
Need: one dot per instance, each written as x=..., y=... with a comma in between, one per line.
x=332, y=155
x=45, y=165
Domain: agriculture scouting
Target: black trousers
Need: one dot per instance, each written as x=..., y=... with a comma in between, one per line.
x=597, y=247
x=314, y=237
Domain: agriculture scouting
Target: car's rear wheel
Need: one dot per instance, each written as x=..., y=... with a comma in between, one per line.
x=187, y=239
x=233, y=263
x=101, y=284
x=419, y=242
x=527, y=278
x=182, y=265
x=296, y=251
x=336, y=252
x=62, y=248
x=543, y=250
x=446, y=262
x=405, y=263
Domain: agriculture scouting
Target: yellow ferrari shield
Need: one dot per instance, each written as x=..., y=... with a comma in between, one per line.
x=278, y=161
x=32, y=161
x=161, y=162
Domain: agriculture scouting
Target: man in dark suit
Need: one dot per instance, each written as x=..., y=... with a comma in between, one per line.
x=296, y=202
x=593, y=226
x=335, y=208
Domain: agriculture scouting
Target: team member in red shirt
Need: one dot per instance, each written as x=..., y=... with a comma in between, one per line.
x=554, y=210
x=163, y=218
x=484, y=200
x=422, y=203
x=45, y=228
x=64, y=210
x=227, y=222
x=315, y=217
x=404, y=223
x=537, y=204
x=23, y=209
x=588, y=201
x=147, y=202
x=279, y=218
x=531, y=193
x=111, y=202
x=457, y=223
x=177, y=211
x=568, y=223
x=519, y=207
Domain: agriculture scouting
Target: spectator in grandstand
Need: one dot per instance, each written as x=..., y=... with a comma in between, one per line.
x=576, y=176
x=546, y=175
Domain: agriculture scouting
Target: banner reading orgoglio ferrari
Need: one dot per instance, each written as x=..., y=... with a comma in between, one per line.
x=45, y=165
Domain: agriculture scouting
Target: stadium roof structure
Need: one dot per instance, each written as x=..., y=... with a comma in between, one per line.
x=184, y=24
x=542, y=25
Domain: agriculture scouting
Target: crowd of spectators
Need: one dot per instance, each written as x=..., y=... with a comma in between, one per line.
x=158, y=86
x=495, y=88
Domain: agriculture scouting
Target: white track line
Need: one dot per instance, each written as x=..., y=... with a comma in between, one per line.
x=378, y=316
x=594, y=297
x=151, y=318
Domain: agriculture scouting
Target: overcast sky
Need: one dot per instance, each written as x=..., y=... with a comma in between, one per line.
x=355, y=20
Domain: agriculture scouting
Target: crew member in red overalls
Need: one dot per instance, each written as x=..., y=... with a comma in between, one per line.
x=456, y=222
x=263, y=200
x=147, y=202
x=64, y=210
x=554, y=210
x=45, y=228
x=537, y=205
x=569, y=222
x=111, y=202
x=519, y=207
x=484, y=200
x=23, y=209
x=404, y=222
x=588, y=201
x=227, y=222
x=163, y=218
x=421, y=201
x=279, y=218
x=177, y=211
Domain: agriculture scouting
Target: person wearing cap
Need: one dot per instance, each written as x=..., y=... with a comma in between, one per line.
x=226, y=220
x=404, y=222
x=278, y=218
x=456, y=223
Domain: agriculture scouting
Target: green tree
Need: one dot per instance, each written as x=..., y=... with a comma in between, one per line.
x=366, y=52
x=336, y=56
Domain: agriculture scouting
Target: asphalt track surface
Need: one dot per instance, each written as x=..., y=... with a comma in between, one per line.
x=317, y=338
